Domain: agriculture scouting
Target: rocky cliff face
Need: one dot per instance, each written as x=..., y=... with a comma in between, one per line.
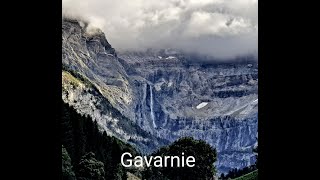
x=162, y=95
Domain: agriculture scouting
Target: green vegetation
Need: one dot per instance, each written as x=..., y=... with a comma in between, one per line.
x=67, y=169
x=75, y=76
x=90, y=168
x=88, y=153
x=204, y=155
x=80, y=135
x=69, y=80
x=250, y=176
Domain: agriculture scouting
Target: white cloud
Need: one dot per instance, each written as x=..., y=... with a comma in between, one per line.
x=222, y=28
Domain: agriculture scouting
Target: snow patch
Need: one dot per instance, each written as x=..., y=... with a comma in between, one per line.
x=158, y=86
x=201, y=105
x=159, y=57
x=170, y=57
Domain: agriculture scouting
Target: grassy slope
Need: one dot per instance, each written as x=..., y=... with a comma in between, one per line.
x=132, y=176
x=250, y=176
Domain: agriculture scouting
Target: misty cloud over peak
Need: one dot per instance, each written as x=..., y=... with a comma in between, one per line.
x=219, y=28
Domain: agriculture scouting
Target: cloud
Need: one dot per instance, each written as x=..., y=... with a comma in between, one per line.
x=221, y=28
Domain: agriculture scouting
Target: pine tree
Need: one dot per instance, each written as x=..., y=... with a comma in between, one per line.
x=67, y=137
x=90, y=169
x=80, y=134
x=67, y=169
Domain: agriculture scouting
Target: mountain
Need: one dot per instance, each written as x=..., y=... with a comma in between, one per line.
x=152, y=98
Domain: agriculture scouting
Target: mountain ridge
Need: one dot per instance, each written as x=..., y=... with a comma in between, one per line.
x=161, y=95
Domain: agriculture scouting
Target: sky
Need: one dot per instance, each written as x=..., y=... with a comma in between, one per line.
x=220, y=28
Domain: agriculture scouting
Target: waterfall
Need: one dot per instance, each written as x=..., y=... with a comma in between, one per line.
x=151, y=108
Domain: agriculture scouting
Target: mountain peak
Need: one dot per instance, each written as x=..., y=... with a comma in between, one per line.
x=152, y=97
x=91, y=34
